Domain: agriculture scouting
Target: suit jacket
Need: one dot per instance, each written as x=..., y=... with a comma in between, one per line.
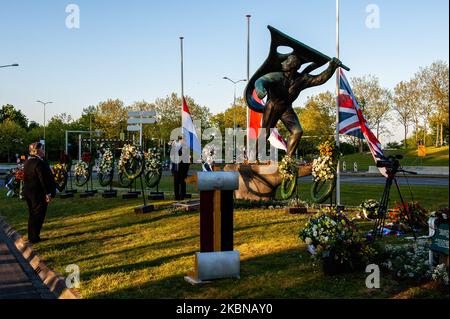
x=38, y=179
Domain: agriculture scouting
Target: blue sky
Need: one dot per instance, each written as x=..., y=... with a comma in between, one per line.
x=130, y=49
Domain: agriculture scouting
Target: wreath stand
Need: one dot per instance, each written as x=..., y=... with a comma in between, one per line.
x=156, y=195
x=87, y=192
x=68, y=193
x=144, y=208
x=133, y=194
x=111, y=193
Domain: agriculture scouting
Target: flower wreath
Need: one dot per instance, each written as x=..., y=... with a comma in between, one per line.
x=324, y=172
x=288, y=169
x=106, y=167
x=60, y=175
x=131, y=161
x=152, y=167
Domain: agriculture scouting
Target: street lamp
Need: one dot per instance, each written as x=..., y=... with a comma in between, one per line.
x=234, y=112
x=9, y=65
x=44, y=103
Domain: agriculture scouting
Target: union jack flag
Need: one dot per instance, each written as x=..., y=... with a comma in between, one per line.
x=352, y=121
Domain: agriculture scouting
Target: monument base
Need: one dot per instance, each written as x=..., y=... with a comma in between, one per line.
x=188, y=206
x=215, y=265
x=260, y=181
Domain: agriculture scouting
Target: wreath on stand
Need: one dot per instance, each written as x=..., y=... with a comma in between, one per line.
x=324, y=172
x=131, y=164
x=61, y=171
x=60, y=175
x=106, y=166
x=83, y=169
x=288, y=169
x=15, y=182
x=152, y=167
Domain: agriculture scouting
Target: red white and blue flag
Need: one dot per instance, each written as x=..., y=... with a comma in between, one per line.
x=255, y=125
x=189, y=132
x=352, y=121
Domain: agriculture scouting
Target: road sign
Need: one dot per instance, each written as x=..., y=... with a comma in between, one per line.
x=140, y=118
x=141, y=121
x=133, y=128
x=142, y=114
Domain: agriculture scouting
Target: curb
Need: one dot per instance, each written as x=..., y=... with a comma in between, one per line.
x=54, y=281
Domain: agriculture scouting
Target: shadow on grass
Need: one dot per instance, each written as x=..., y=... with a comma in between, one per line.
x=88, y=275
x=142, y=220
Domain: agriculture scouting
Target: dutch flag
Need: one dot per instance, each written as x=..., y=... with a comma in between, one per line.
x=190, y=134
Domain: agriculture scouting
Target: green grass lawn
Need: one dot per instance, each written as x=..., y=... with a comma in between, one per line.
x=124, y=255
x=436, y=156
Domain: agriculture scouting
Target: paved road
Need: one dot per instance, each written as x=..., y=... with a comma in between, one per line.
x=425, y=181
x=17, y=279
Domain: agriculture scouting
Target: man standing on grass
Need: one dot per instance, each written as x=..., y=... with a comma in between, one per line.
x=39, y=188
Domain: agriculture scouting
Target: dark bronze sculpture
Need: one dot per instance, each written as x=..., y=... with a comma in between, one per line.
x=278, y=79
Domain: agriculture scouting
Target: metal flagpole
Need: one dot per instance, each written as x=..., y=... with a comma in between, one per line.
x=248, y=79
x=338, y=171
x=182, y=74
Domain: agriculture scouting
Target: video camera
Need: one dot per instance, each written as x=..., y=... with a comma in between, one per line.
x=392, y=162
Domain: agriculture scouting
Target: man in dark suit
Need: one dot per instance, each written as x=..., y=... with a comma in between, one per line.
x=179, y=169
x=39, y=188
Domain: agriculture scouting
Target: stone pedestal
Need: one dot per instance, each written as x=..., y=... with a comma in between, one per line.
x=260, y=181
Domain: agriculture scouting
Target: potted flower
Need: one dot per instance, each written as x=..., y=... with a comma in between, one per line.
x=333, y=241
x=297, y=206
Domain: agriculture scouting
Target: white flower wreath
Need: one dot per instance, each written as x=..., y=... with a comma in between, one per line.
x=106, y=163
x=323, y=168
x=81, y=169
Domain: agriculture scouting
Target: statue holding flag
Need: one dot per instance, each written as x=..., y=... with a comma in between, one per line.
x=280, y=81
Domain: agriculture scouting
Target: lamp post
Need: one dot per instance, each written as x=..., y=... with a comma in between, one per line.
x=9, y=65
x=45, y=142
x=234, y=113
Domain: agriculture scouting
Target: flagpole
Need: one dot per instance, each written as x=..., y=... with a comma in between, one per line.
x=182, y=72
x=338, y=171
x=248, y=79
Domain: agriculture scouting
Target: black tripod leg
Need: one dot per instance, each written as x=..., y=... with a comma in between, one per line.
x=406, y=206
x=382, y=210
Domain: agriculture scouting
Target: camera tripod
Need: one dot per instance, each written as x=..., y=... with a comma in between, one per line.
x=392, y=166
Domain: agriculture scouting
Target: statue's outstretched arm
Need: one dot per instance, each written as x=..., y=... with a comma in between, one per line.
x=263, y=82
x=315, y=80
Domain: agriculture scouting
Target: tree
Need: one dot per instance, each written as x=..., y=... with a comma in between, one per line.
x=318, y=115
x=225, y=119
x=12, y=139
x=110, y=117
x=9, y=112
x=434, y=88
x=375, y=101
x=405, y=100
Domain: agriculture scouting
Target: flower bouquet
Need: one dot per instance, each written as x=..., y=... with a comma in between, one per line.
x=334, y=241
x=410, y=215
x=369, y=208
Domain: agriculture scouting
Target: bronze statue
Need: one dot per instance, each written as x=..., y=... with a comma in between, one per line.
x=278, y=79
